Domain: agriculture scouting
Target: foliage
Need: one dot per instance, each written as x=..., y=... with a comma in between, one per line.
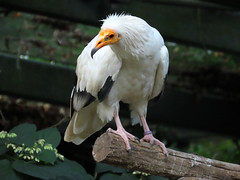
x=42, y=38
x=26, y=153
x=29, y=154
x=220, y=149
x=192, y=57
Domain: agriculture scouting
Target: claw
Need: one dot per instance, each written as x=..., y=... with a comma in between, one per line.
x=167, y=155
x=153, y=142
x=133, y=147
x=124, y=135
x=130, y=152
x=108, y=130
x=148, y=137
x=137, y=139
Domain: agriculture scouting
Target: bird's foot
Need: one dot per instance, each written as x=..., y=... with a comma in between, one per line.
x=125, y=136
x=152, y=140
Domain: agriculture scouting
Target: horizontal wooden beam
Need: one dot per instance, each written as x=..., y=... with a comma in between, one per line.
x=110, y=148
x=209, y=4
x=88, y=12
x=205, y=24
x=53, y=83
x=183, y=108
x=202, y=27
x=35, y=80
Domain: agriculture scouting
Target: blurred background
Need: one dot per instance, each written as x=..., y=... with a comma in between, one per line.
x=199, y=110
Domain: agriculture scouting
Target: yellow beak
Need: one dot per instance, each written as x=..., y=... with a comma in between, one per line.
x=105, y=37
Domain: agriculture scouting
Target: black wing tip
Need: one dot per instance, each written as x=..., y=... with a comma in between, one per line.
x=105, y=89
x=71, y=101
x=80, y=94
x=89, y=97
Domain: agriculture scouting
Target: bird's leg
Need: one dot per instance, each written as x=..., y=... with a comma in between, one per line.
x=148, y=137
x=122, y=132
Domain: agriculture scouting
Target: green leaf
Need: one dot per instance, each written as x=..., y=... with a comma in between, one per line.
x=73, y=170
x=26, y=134
x=101, y=168
x=152, y=177
x=110, y=176
x=2, y=149
x=66, y=168
x=6, y=171
x=36, y=170
x=128, y=176
x=51, y=136
x=47, y=156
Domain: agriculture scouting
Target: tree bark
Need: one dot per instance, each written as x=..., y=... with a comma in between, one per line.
x=110, y=148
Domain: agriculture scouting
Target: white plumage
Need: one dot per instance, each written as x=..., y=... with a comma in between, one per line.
x=129, y=64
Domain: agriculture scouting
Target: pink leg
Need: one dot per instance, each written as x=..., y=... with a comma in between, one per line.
x=148, y=137
x=122, y=132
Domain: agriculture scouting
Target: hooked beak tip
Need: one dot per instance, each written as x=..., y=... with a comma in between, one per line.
x=94, y=50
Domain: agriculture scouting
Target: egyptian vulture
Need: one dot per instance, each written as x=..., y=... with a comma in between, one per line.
x=127, y=61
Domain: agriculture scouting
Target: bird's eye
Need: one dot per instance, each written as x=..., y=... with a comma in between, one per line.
x=111, y=35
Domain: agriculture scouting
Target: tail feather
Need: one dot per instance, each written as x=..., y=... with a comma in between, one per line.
x=83, y=124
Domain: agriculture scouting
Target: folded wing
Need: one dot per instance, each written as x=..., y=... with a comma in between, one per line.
x=95, y=78
x=161, y=73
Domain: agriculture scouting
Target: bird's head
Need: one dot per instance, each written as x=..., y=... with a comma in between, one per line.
x=127, y=35
x=105, y=37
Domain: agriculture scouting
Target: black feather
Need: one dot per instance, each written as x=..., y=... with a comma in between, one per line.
x=90, y=98
x=105, y=89
x=71, y=101
x=83, y=96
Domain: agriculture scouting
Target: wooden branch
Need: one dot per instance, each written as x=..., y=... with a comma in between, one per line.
x=110, y=148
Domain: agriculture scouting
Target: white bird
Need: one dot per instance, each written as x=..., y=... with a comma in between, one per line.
x=127, y=61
